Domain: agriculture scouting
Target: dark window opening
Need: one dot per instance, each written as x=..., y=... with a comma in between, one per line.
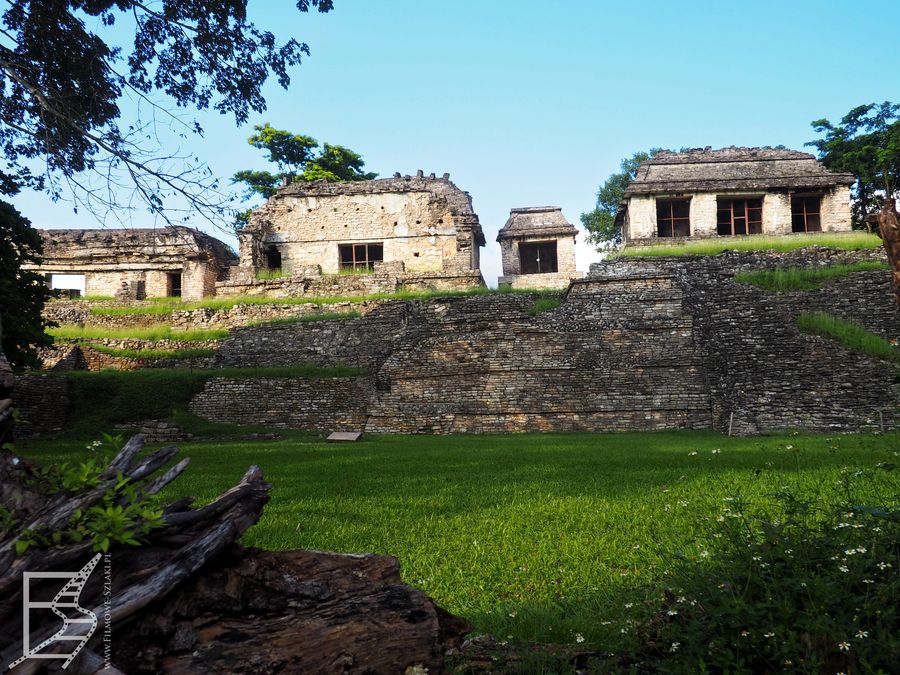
x=173, y=284
x=538, y=257
x=805, y=213
x=673, y=218
x=739, y=216
x=273, y=258
x=360, y=256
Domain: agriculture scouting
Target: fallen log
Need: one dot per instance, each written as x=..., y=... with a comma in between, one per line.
x=191, y=600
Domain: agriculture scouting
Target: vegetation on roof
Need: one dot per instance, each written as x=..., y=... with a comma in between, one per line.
x=804, y=278
x=847, y=241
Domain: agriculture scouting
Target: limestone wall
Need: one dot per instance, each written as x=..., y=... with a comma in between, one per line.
x=761, y=368
x=641, y=225
x=318, y=405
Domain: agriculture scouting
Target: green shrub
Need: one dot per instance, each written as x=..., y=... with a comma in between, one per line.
x=803, y=278
x=806, y=585
x=852, y=335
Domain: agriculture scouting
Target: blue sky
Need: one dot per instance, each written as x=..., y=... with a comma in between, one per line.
x=530, y=103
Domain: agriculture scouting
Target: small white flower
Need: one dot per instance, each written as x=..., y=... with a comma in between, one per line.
x=745, y=633
x=512, y=615
x=629, y=605
x=843, y=568
x=883, y=565
x=789, y=447
x=681, y=598
x=768, y=635
x=692, y=454
x=717, y=451
x=868, y=581
x=579, y=638
x=624, y=631
x=672, y=612
x=844, y=646
x=674, y=647
x=862, y=634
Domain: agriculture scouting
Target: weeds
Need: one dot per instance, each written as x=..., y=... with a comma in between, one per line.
x=852, y=335
x=803, y=278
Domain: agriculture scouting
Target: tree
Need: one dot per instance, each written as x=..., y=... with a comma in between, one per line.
x=601, y=222
x=296, y=160
x=22, y=292
x=63, y=84
x=866, y=144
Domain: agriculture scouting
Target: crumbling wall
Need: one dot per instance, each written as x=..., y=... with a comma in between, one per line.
x=427, y=224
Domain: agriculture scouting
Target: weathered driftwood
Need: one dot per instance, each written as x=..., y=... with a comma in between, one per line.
x=143, y=575
x=191, y=600
x=292, y=611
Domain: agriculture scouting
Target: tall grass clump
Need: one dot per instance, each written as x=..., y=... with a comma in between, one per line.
x=850, y=334
x=150, y=333
x=266, y=275
x=848, y=241
x=804, y=278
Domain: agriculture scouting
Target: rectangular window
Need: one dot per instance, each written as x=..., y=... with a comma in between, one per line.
x=673, y=218
x=360, y=256
x=538, y=257
x=173, y=284
x=739, y=216
x=805, y=213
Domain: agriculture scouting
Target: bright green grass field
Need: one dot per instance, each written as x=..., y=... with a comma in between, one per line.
x=531, y=537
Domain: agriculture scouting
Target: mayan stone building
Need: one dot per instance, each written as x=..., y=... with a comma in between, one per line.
x=731, y=192
x=134, y=263
x=404, y=232
x=538, y=248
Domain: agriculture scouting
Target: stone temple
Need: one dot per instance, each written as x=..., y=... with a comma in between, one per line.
x=731, y=192
x=405, y=232
x=134, y=263
x=538, y=248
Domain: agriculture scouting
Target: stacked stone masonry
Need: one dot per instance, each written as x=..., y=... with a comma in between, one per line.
x=641, y=344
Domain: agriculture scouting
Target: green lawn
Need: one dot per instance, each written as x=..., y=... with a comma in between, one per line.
x=531, y=537
x=804, y=278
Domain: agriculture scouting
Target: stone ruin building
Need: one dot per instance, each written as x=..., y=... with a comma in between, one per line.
x=731, y=192
x=134, y=263
x=388, y=234
x=538, y=248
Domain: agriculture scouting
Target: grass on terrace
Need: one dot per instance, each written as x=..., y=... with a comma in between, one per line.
x=169, y=305
x=152, y=352
x=848, y=241
x=152, y=333
x=531, y=537
x=804, y=278
x=851, y=335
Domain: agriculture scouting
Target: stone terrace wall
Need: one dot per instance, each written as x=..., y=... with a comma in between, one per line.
x=319, y=405
x=762, y=369
x=618, y=354
x=42, y=402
